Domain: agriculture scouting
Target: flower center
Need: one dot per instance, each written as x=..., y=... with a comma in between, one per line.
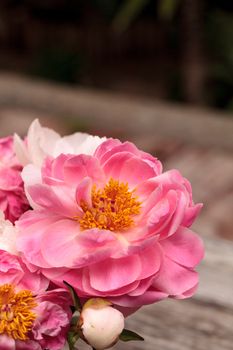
x=113, y=208
x=16, y=316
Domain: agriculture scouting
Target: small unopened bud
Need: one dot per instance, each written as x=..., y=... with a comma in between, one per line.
x=100, y=323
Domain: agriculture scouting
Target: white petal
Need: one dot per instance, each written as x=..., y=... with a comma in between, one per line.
x=78, y=143
x=90, y=144
x=69, y=144
x=41, y=142
x=21, y=150
x=31, y=175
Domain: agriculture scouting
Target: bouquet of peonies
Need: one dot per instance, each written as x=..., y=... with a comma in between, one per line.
x=91, y=229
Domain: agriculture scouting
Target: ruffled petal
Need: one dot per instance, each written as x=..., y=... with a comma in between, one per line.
x=83, y=191
x=149, y=297
x=31, y=228
x=113, y=166
x=184, y=247
x=136, y=170
x=104, y=148
x=58, y=200
x=150, y=259
x=79, y=167
x=75, y=248
x=88, y=289
x=175, y=279
x=117, y=273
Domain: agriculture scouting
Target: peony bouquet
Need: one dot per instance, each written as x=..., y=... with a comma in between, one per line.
x=91, y=229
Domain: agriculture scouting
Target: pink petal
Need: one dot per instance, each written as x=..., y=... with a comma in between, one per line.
x=89, y=290
x=171, y=179
x=146, y=188
x=59, y=243
x=191, y=214
x=135, y=170
x=27, y=345
x=32, y=226
x=114, y=273
x=149, y=297
x=105, y=147
x=152, y=162
x=72, y=276
x=151, y=199
x=95, y=245
x=150, y=259
x=126, y=147
x=143, y=286
x=184, y=247
x=83, y=191
x=11, y=271
x=7, y=343
x=188, y=293
x=178, y=216
x=58, y=200
x=113, y=166
x=175, y=279
x=75, y=248
x=167, y=215
x=161, y=215
x=52, y=170
x=33, y=281
x=78, y=167
x=109, y=148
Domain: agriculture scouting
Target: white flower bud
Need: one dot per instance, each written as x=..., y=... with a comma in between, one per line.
x=100, y=323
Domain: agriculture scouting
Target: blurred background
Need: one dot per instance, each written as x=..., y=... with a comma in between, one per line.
x=158, y=73
x=177, y=50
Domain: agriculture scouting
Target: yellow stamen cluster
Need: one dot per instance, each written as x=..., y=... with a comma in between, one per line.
x=16, y=315
x=113, y=208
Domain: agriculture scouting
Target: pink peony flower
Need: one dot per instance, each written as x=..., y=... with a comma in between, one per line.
x=112, y=225
x=13, y=201
x=42, y=142
x=30, y=318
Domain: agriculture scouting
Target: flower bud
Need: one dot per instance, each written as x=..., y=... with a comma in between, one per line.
x=100, y=323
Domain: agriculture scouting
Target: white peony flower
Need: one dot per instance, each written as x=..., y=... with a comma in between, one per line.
x=100, y=323
x=41, y=142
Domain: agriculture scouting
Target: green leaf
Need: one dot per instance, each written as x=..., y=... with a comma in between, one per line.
x=74, y=321
x=72, y=339
x=128, y=335
x=75, y=298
